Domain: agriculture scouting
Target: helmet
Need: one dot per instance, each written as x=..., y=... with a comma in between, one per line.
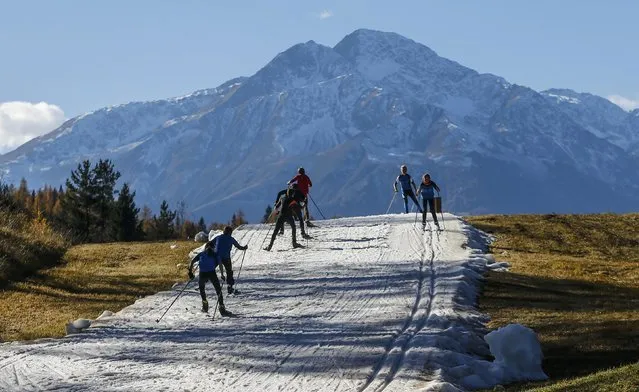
x=300, y=170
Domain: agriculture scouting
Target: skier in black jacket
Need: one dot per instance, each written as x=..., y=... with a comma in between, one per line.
x=286, y=204
x=297, y=207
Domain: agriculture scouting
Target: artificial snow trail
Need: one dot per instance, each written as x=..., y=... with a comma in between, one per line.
x=372, y=304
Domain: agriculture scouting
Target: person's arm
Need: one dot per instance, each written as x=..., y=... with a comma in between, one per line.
x=238, y=246
x=310, y=183
x=419, y=190
x=414, y=186
x=196, y=258
x=436, y=187
x=395, y=184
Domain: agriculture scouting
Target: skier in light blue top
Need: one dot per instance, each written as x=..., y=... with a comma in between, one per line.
x=427, y=189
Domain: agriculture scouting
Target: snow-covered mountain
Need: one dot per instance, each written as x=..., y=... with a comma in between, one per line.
x=351, y=115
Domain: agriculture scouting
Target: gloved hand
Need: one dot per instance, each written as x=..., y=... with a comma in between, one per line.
x=191, y=276
x=245, y=247
x=395, y=190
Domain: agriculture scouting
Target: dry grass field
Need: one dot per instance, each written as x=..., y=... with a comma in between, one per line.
x=575, y=281
x=91, y=278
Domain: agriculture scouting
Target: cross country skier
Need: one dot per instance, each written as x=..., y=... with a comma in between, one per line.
x=285, y=204
x=208, y=261
x=298, y=196
x=222, y=245
x=304, y=184
x=427, y=189
x=406, y=181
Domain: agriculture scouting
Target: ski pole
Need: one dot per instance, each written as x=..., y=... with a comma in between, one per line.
x=320, y=211
x=217, y=299
x=240, y=270
x=267, y=233
x=441, y=210
x=176, y=297
x=391, y=203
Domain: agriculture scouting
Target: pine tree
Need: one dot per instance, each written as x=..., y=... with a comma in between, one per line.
x=267, y=213
x=164, y=224
x=105, y=177
x=78, y=201
x=201, y=224
x=126, y=226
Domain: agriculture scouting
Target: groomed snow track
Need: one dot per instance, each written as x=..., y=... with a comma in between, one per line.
x=372, y=304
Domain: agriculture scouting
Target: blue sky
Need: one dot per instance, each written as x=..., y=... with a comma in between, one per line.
x=74, y=56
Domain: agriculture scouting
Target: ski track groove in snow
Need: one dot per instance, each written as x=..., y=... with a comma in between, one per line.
x=343, y=314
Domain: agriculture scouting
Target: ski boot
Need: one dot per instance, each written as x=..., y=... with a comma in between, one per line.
x=268, y=248
x=306, y=236
x=225, y=312
x=205, y=306
x=297, y=245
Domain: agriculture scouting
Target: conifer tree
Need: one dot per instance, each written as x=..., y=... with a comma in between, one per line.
x=79, y=200
x=267, y=213
x=164, y=224
x=126, y=226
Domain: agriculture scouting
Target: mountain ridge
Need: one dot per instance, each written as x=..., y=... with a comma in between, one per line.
x=370, y=103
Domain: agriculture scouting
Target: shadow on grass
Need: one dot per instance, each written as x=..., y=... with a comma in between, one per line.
x=572, y=317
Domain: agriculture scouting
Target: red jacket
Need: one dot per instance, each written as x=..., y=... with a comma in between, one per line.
x=303, y=183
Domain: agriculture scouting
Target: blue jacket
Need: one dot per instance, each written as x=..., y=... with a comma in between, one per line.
x=428, y=191
x=207, y=263
x=222, y=246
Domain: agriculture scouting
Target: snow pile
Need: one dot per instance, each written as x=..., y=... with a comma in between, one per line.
x=77, y=326
x=517, y=353
x=201, y=237
x=214, y=233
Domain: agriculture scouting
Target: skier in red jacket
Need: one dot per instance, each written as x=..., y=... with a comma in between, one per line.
x=304, y=184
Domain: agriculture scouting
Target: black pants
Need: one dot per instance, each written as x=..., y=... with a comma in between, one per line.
x=212, y=277
x=431, y=204
x=307, y=215
x=227, y=267
x=279, y=224
x=409, y=193
x=298, y=213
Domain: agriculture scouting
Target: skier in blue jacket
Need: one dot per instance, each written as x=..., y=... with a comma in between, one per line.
x=406, y=182
x=208, y=260
x=427, y=190
x=222, y=245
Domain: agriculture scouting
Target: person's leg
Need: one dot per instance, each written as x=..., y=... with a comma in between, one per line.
x=431, y=204
x=424, y=212
x=291, y=222
x=308, y=216
x=404, y=193
x=202, y=282
x=279, y=223
x=414, y=199
x=230, y=281
x=298, y=213
x=218, y=291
